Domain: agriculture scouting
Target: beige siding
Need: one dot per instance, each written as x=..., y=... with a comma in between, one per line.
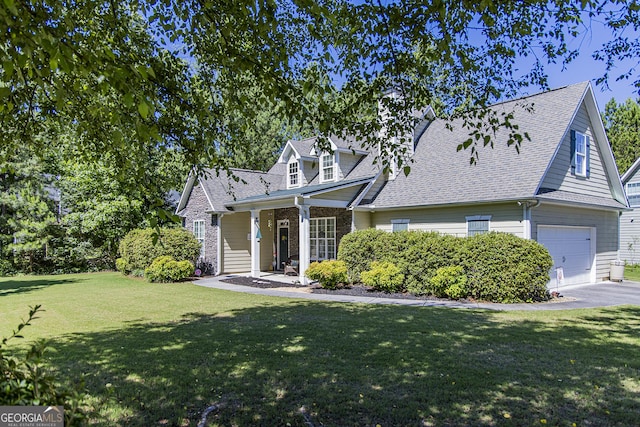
x=504, y=218
x=266, y=244
x=630, y=236
x=344, y=195
x=237, y=249
x=361, y=220
x=605, y=223
x=346, y=163
x=309, y=171
x=559, y=175
x=630, y=231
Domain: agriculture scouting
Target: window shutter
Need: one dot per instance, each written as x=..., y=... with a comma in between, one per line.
x=573, y=152
x=588, y=141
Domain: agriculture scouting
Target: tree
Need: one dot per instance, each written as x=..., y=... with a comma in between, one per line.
x=27, y=212
x=622, y=123
x=138, y=76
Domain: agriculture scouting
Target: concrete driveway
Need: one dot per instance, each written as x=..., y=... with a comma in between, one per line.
x=604, y=294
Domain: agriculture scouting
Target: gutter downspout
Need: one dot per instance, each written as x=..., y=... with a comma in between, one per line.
x=526, y=217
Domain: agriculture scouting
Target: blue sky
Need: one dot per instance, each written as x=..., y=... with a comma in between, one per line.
x=584, y=67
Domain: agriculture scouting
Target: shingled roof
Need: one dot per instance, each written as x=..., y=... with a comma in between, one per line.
x=441, y=175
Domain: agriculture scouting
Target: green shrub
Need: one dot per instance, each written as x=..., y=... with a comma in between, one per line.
x=330, y=274
x=139, y=248
x=425, y=253
x=24, y=382
x=504, y=268
x=165, y=269
x=449, y=282
x=121, y=265
x=359, y=248
x=500, y=267
x=384, y=276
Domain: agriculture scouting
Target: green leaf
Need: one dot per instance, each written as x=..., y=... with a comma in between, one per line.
x=143, y=109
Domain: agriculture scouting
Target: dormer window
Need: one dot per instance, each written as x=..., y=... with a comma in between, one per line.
x=294, y=174
x=328, y=169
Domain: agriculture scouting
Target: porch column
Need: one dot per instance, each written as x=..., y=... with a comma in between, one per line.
x=255, y=243
x=303, y=243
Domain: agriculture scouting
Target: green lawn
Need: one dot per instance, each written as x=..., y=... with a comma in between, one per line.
x=632, y=272
x=161, y=354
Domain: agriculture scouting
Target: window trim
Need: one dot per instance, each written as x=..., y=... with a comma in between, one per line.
x=580, y=168
x=324, y=169
x=632, y=189
x=324, y=239
x=402, y=221
x=295, y=174
x=478, y=218
x=202, y=228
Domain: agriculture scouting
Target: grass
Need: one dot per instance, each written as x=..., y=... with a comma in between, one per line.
x=155, y=354
x=632, y=272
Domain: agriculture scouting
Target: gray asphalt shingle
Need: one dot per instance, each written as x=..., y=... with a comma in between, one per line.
x=442, y=175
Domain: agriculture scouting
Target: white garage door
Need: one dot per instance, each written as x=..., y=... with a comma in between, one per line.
x=570, y=248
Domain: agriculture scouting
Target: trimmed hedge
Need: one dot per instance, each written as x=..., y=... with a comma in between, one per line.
x=138, y=248
x=498, y=267
x=384, y=276
x=165, y=269
x=330, y=274
x=504, y=268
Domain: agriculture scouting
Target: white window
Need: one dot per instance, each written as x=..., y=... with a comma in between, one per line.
x=579, y=154
x=198, y=232
x=322, y=233
x=478, y=224
x=633, y=193
x=399, y=225
x=328, y=168
x=294, y=174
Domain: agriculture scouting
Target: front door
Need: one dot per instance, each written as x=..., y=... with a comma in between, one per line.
x=283, y=243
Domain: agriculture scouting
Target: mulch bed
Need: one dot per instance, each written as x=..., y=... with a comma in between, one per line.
x=354, y=290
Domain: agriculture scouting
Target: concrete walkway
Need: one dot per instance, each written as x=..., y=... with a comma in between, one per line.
x=605, y=294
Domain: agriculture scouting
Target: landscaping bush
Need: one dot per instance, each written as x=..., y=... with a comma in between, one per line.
x=359, y=248
x=138, y=248
x=449, y=282
x=424, y=254
x=24, y=382
x=330, y=274
x=165, y=269
x=504, y=268
x=384, y=276
x=499, y=267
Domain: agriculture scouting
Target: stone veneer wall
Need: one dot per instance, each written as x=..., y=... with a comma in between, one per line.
x=343, y=223
x=195, y=210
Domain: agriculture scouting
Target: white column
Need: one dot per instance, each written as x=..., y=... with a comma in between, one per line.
x=255, y=243
x=303, y=242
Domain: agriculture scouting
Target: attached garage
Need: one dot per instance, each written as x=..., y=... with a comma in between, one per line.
x=573, y=253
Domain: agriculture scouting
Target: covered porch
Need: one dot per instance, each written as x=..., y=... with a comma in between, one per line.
x=280, y=228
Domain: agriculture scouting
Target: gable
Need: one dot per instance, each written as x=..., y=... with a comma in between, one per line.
x=561, y=175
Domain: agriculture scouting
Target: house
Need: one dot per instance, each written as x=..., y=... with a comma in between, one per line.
x=562, y=189
x=630, y=220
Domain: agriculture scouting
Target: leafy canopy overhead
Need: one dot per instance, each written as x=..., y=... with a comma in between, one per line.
x=136, y=76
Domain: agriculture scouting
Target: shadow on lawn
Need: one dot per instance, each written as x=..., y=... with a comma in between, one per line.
x=361, y=365
x=17, y=286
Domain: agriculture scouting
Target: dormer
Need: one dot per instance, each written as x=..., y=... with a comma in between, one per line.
x=299, y=164
x=328, y=164
x=293, y=173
